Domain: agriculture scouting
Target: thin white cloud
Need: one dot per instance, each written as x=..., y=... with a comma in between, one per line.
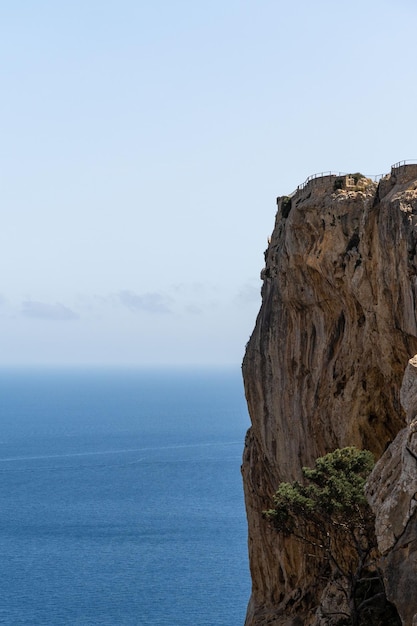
x=198, y=289
x=248, y=293
x=192, y=309
x=45, y=311
x=147, y=302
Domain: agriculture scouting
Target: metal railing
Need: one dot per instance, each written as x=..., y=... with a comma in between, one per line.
x=313, y=177
x=400, y=164
x=319, y=175
x=374, y=177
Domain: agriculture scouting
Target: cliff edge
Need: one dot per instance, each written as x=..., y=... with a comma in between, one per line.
x=324, y=365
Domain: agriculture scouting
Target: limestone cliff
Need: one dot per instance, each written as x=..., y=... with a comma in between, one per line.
x=324, y=365
x=392, y=493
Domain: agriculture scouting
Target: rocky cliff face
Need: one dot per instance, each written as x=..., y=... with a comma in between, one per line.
x=324, y=365
x=392, y=493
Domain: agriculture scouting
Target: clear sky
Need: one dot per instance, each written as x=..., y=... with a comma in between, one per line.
x=143, y=145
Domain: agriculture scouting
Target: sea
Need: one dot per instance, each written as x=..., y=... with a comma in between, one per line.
x=121, y=498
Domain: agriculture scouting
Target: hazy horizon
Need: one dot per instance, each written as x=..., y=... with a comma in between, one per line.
x=144, y=145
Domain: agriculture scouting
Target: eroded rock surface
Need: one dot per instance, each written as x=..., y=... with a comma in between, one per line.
x=324, y=365
x=392, y=493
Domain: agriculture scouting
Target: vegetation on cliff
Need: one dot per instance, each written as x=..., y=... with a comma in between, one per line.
x=329, y=511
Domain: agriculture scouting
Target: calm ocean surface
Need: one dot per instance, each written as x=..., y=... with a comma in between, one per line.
x=121, y=498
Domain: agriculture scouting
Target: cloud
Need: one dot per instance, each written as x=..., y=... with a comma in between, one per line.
x=44, y=311
x=192, y=309
x=148, y=302
x=249, y=294
x=199, y=289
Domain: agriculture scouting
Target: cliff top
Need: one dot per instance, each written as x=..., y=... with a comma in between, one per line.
x=403, y=171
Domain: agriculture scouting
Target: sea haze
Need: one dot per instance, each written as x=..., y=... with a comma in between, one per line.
x=121, y=497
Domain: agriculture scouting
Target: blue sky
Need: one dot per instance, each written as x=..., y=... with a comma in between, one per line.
x=143, y=145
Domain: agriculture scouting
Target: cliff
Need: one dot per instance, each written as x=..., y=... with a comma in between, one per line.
x=392, y=492
x=324, y=365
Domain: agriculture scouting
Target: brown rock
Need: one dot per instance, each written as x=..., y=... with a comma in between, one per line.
x=392, y=492
x=324, y=364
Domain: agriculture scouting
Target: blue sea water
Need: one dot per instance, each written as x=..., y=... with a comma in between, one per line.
x=121, y=499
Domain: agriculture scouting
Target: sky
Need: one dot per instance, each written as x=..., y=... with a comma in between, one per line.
x=143, y=145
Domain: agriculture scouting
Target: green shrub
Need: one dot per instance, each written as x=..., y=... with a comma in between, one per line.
x=357, y=176
x=334, y=487
x=329, y=511
x=286, y=206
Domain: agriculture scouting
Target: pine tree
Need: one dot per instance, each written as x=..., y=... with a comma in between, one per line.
x=329, y=511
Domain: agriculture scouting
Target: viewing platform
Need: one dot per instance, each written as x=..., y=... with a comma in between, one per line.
x=403, y=172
